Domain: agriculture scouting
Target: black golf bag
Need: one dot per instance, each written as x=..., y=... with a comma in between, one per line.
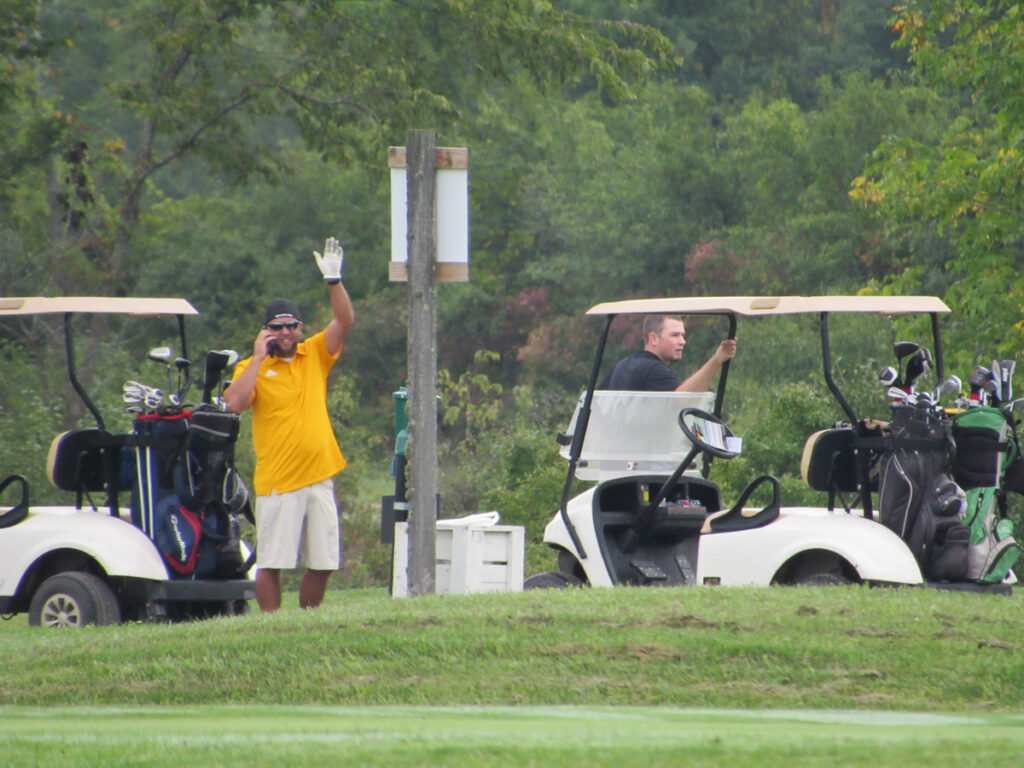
x=186, y=494
x=918, y=497
x=987, y=464
x=214, y=485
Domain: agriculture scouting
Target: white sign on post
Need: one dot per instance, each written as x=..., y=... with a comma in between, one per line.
x=451, y=206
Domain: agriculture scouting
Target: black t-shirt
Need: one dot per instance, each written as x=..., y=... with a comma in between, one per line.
x=643, y=371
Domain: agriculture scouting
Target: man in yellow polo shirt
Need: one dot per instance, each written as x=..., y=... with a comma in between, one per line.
x=297, y=455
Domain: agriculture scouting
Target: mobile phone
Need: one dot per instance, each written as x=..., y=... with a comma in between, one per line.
x=272, y=348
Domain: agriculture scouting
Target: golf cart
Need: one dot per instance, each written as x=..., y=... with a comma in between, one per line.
x=171, y=551
x=655, y=518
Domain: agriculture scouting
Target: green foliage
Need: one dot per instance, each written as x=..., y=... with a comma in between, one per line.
x=205, y=149
x=965, y=176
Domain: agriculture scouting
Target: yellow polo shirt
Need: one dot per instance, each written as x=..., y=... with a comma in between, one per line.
x=291, y=431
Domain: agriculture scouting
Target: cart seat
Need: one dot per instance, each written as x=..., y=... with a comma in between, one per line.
x=828, y=462
x=738, y=518
x=76, y=461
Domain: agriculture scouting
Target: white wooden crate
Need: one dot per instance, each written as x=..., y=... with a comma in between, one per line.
x=468, y=558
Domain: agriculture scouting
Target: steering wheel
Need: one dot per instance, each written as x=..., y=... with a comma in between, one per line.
x=706, y=432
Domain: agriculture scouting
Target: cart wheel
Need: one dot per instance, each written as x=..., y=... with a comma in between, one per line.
x=552, y=580
x=74, y=599
x=826, y=579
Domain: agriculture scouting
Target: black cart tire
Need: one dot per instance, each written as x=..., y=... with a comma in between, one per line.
x=74, y=599
x=824, y=579
x=552, y=580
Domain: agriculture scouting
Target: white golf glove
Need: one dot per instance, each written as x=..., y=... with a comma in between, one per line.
x=332, y=261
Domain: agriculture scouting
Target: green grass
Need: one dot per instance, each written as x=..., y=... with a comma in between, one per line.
x=250, y=737
x=692, y=647
x=754, y=677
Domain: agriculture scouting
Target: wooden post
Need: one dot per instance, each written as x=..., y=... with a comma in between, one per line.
x=422, y=357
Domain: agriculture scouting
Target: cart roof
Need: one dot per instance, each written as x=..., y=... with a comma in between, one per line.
x=773, y=305
x=39, y=305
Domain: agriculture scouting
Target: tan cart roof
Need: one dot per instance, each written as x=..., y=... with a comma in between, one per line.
x=773, y=305
x=39, y=305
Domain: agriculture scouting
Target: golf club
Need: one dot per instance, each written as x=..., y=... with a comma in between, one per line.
x=979, y=376
x=898, y=395
x=951, y=386
x=164, y=355
x=217, y=361
x=183, y=367
x=917, y=365
x=903, y=350
x=1006, y=371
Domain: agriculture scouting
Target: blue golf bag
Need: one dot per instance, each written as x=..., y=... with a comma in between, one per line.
x=186, y=493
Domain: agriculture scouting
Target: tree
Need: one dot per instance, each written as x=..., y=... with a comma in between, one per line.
x=193, y=90
x=965, y=179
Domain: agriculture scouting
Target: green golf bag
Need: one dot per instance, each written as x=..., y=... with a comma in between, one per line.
x=987, y=464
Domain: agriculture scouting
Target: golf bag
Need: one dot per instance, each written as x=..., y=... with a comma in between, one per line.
x=918, y=498
x=214, y=486
x=183, y=472
x=987, y=464
x=161, y=451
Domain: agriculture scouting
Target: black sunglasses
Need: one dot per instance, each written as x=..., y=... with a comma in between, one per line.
x=291, y=325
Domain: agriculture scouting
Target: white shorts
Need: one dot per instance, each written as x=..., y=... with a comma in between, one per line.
x=299, y=526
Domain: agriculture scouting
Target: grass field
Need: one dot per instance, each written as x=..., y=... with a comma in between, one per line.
x=698, y=676
x=502, y=736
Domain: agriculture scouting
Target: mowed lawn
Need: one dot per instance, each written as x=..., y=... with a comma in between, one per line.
x=617, y=737
x=625, y=677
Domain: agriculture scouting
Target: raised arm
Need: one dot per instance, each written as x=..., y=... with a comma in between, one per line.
x=701, y=380
x=331, y=264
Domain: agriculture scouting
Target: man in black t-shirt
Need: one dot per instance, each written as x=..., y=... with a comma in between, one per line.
x=647, y=369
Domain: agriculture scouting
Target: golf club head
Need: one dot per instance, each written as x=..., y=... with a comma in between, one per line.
x=990, y=393
x=979, y=376
x=904, y=349
x=1006, y=368
x=1015, y=406
x=888, y=377
x=951, y=386
x=917, y=365
x=896, y=394
x=217, y=360
x=161, y=355
x=996, y=374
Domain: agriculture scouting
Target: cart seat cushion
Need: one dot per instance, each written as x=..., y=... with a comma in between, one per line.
x=828, y=462
x=75, y=461
x=739, y=517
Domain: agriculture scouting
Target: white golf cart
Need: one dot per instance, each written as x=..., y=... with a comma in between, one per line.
x=97, y=562
x=654, y=518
